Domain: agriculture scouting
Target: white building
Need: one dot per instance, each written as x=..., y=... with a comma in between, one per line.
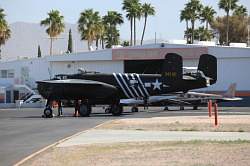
x=233, y=65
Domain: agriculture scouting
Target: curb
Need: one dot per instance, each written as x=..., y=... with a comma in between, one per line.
x=110, y=121
x=56, y=143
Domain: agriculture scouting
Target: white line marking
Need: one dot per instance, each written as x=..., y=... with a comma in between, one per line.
x=126, y=85
x=137, y=95
x=142, y=84
x=138, y=86
x=121, y=86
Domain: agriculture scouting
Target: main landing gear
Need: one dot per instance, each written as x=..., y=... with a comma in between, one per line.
x=116, y=109
x=182, y=108
x=195, y=107
x=134, y=109
x=85, y=110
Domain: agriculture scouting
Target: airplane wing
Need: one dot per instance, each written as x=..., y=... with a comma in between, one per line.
x=75, y=88
x=228, y=96
x=232, y=99
x=178, y=99
x=131, y=102
x=154, y=100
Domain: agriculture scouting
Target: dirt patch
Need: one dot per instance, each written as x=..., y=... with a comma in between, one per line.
x=190, y=153
x=193, y=153
x=227, y=123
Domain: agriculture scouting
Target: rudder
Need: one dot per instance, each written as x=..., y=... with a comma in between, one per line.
x=172, y=67
x=208, y=65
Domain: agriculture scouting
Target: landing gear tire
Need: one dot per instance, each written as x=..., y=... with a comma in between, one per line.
x=134, y=109
x=195, y=107
x=166, y=108
x=116, y=110
x=48, y=112
x=181, y=108
x=108, y=110
x=85, y=110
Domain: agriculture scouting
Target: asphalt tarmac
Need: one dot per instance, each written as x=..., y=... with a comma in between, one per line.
x=24, y=131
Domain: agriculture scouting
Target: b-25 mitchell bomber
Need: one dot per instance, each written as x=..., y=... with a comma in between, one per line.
x=108, y=89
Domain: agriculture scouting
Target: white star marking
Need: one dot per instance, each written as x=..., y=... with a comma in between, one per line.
x=157, y=85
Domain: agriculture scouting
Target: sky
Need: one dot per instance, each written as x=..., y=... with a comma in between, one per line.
x=166, y=23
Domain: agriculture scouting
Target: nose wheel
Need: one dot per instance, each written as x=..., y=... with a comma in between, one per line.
x=48, y=112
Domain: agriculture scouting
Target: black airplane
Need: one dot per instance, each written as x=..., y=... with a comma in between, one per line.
x=99, y=89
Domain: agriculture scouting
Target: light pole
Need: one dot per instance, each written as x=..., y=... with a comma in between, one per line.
x=248, y=30
x=155, y=38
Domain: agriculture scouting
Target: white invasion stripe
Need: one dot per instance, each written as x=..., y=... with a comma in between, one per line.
x=137, y=95
x=121, y=86
x=138, y=87
x=126, y=85
x=142, y=84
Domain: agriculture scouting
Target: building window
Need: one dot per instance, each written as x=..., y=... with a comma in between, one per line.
x=11, y=74
x=7, y=74
x=3, y=73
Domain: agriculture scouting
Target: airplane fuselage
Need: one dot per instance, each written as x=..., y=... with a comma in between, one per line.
x=114, y=86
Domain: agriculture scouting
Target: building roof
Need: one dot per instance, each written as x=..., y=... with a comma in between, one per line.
x=148, y=51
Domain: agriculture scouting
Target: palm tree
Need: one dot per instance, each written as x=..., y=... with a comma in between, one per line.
x=207, y=15
x=194, y=8
x=4, y=29
x=138, y=13
x=228, y=5
x=147, y=10
x=88, y=25
x=112, y=39
x=240, y=11
x=133, y=9
x=129, y=16
x=100, y=32
x=111, y=20
x=55, y=24
x=185, y=15
x=203, y=34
